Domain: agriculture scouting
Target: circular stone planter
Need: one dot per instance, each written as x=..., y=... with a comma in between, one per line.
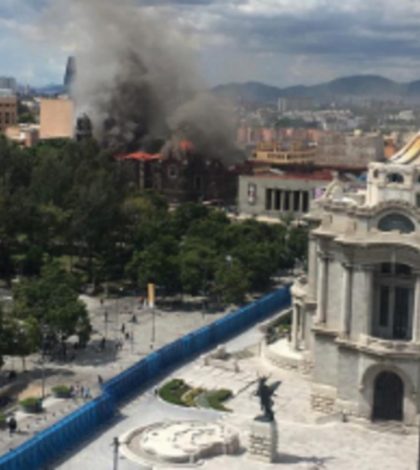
x=180, y=442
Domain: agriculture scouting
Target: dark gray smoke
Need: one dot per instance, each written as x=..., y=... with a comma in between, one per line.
x=136, y=79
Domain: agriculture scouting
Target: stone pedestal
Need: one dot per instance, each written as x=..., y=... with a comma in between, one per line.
x=263, y=441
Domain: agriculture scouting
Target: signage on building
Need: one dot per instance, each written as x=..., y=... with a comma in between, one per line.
x=252, y=193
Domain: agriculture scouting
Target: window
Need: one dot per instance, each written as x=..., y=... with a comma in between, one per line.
x=172, y=172
x=268, y=199
x=395, y=178
x=305, y=201
x=396, y=221
x=394, y=287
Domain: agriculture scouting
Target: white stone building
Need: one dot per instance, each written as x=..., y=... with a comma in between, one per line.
x=356, y=316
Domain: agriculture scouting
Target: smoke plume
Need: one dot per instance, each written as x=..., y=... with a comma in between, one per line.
x=136, y=78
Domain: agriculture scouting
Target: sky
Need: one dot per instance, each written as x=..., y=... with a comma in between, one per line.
x=279, y=42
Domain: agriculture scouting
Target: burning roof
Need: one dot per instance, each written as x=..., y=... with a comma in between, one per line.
x=141, y=156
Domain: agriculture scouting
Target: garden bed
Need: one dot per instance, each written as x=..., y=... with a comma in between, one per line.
x=179, y=393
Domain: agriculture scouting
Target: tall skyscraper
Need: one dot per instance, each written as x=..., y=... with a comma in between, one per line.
x=70, y=73
x=8, y=83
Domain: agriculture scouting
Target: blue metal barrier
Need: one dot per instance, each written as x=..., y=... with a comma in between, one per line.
x=52, y=443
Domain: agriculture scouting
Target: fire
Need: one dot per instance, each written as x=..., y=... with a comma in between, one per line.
x=186, y=145
x=141, y=156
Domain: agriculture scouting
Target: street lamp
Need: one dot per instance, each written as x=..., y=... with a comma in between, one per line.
x=120, y=290
x=116, y=445
x=44, y=331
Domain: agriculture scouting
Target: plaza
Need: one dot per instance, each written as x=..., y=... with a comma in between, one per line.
x=307, y=439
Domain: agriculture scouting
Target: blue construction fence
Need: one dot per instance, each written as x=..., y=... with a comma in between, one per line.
x=51, y=444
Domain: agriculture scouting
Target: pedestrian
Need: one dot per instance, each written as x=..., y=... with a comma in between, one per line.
x=106, y=316
x=12, y=424
x=82, y=391
x=127, y=336
x=102, y=344
x=100, y=380
x=123, y=328
x=134, y=318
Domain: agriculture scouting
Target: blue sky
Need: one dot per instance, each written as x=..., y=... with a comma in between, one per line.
x=281, y=42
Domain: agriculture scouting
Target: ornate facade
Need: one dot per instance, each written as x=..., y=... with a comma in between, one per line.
x=356, y=316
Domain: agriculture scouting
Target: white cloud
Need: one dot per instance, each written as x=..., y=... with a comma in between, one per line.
x=278, y=41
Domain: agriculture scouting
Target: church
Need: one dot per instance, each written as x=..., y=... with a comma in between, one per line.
x=356, y=314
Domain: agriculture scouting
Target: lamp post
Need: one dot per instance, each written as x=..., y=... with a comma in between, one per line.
x=44, y=331
x=116, y=445
x=152, y=345
x=132, y=337
x=120, y=290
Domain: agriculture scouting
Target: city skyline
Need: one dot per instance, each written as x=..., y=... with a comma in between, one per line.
x=276, y=42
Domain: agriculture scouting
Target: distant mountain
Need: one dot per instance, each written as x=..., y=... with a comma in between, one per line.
x=50, y=90
x=346, y=88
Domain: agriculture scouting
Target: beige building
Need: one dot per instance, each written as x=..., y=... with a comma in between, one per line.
x=57, y=118
x=274, y=193
x=284, y=153
x=356, y=315
x=25, y=135
x=354, y=150
x=8, y=111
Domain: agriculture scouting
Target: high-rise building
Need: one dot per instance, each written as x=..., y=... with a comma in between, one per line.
x=56, y=118
x=70, y=73
x=8, y=110
x=8, y=83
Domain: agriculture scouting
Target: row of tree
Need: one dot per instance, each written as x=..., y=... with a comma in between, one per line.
x=65, y=208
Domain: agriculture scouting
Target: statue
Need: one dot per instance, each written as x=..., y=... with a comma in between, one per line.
x=265, y=392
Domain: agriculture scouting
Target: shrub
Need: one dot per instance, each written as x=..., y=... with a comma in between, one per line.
x=189, y=397
x=173, y=391
x=31, y=404
x=61, y=391
x=216, y=398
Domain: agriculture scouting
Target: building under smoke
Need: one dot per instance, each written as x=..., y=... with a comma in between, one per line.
x=70, y=74
x=181, y=173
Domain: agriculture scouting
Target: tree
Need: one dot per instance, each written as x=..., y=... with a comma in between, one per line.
x=157, y=263
x=51, y=301
x=231, y=281
x=197, y=266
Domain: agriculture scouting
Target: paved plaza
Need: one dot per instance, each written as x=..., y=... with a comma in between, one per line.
x=163, y=326
x=307, y=440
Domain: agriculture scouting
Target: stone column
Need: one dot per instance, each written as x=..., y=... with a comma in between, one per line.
x=416, y=311
x=301, y=320
x=312, y=267
x=366, y=297
x=300, y=202
x=346, y=300
x=295, y=327
x=321, y=314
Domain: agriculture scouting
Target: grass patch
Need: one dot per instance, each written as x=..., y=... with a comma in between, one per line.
x=173, y=391
x=216, y=398
x=178, y=392
x=61, y=391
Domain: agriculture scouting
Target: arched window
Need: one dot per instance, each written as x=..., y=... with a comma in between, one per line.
x=395, y=178
x=394, y=299
x=396, y=221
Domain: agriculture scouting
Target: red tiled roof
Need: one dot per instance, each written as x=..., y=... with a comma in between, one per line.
x=141, y=156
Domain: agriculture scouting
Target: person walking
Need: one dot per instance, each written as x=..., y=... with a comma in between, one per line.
x=12, y=425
